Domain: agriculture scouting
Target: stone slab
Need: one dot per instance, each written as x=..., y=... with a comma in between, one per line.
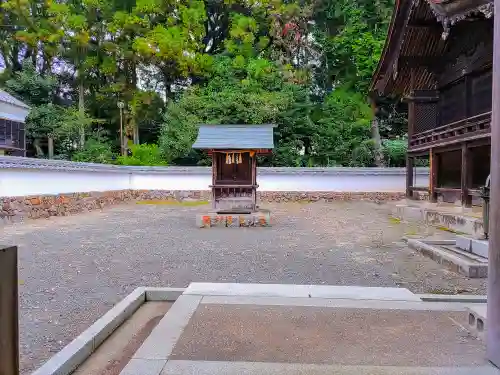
x=455, y=222
x=144, y=367
x=77, y=351
x=451, y=260
x=463, y=243
x=259, y=368
x=341, y=336
x=307, y=291
x=345, y=303
x=160, y=343
x=480, y=247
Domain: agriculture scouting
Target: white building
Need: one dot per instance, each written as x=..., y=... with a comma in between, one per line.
x=13, y=115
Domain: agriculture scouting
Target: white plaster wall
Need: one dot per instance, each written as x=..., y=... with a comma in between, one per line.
x=339, y=183
x=171, y=181
x=16, y=113
x=33, y=182
x=23, y=176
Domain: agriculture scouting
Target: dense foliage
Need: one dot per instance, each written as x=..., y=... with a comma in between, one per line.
x=303, y=65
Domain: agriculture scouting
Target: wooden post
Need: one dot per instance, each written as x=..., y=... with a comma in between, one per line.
x=254, y=181
x=214, y=177
x=9, y=305
x=409, y=176
x=51, y=147
x=493, y=313
x=464, y=176
x=433, y=178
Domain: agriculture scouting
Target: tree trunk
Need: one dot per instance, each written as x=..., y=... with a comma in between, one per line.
x=81, y=109
x=379, y=159
x=377, y=143
x=51, y=147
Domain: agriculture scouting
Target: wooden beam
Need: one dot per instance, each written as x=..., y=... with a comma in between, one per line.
x=425, y=24
x=433, y=178
x=493, y=313
x=409, y=176
x=465, y=176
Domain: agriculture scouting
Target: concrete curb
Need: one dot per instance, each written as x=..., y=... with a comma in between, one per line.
x=465, y=298
x=78, y=350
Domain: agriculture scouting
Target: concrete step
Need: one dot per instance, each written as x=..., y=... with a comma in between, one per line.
x=456, y=222
x=453, y=258
x=259, y=368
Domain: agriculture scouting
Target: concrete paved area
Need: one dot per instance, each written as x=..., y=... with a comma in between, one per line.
x=326, y=335
x=292, y=337
x=74, y=269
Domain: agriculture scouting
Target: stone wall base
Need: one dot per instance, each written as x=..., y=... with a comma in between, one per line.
x=13, y=209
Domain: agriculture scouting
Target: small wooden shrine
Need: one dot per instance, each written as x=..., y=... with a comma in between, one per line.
x=234, y=150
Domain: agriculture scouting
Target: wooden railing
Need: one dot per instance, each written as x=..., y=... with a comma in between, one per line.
x=9, y=305
x=469, y=128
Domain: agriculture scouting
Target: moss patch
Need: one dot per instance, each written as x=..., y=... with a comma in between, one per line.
x=175, y=203
x=445, y=229
x=394, y=220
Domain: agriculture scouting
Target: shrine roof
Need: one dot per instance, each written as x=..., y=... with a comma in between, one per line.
x=245, y=137
x=417, y=38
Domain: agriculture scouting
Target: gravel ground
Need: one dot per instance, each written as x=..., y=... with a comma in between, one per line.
x=74, y=269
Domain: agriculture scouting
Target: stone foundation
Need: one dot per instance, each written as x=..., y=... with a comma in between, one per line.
x=213, y=219
x=13, y=209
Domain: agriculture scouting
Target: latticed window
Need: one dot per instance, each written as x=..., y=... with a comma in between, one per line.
x=425, y=116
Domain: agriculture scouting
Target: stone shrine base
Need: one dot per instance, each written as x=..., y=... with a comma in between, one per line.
x=261, y=218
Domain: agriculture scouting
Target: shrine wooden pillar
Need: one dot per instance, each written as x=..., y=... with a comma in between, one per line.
x=465, y=176
x=493, y=313
x=409, y=176
x=9, y=310
x=433, y=175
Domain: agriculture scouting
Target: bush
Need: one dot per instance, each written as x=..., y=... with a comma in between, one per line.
x=95, y=152
x=364, y=155
x=395, y=152
x=145, y=154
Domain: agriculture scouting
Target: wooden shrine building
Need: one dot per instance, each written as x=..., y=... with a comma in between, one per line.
x=234, y=150
x=13, y=115
x=438, y=57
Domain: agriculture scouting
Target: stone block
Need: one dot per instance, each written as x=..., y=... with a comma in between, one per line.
x=144, y=367
x=463, y=243
x=232, y=221
x=203, y=221
x=479, y=247
x=218, y=221
x=246, y=220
